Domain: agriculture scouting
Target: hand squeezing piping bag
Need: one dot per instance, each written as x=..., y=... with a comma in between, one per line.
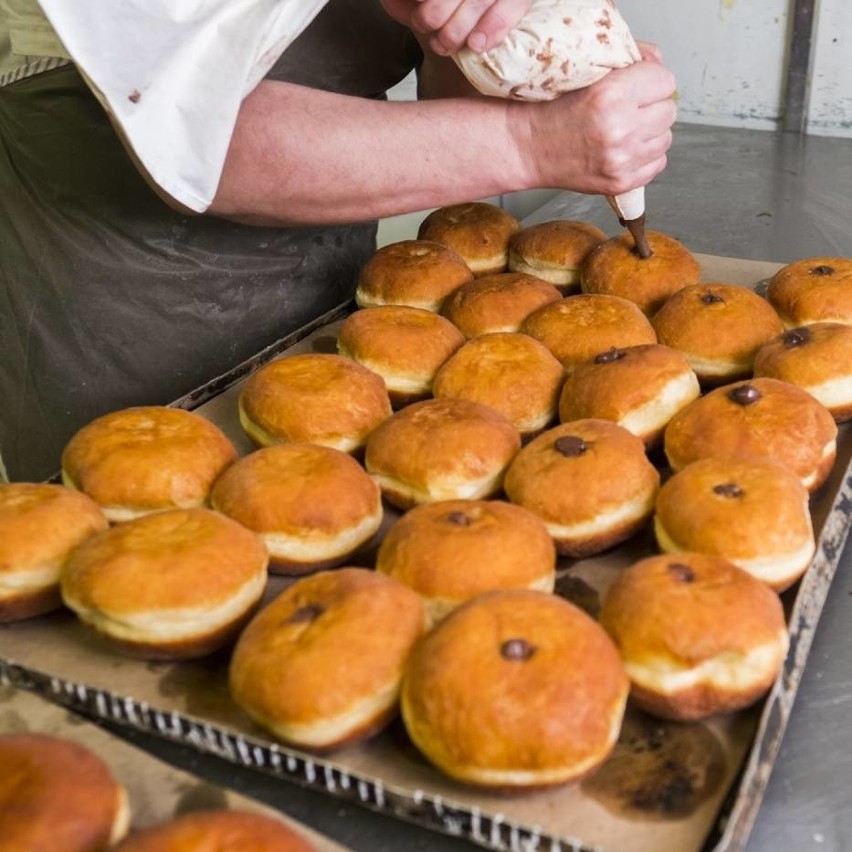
x=560, y=46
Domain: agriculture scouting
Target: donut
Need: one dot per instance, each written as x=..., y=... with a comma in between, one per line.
x=312, y=506
x=40, y=524
x=403, y=345
x=498, y=302
x=168, y=586
x=313, y=398
x=614, y=268
x=476, y=230
x=554, y=251
x=211, y=831
x=813, y=289
x=719, y=327
x=454, y=550
x=640, y=388
x=515, y=690
x=418, y=273
x=698, y=635
x=320, y=667
x=761, y=418
x=146, y=459
x=589, y=481
x=752, y=512
x=578, y=328
x=511, y=372
x=816, y=358
x=57, y=794
x=441, y=449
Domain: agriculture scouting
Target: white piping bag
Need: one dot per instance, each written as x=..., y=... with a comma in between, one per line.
x=560, y=46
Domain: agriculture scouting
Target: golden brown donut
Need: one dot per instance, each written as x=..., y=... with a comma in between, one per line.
x=513, y=373
x=752, y=512
x=578, y=328
x=814, y=289
x=719, y=327
x=146, y=459
x=615, y=269
x=312, y=506
x=441, y=449
x=320, y=667
x=419, y=273
x=57, y=794
x=454, y=550
x=554, y=251
x=761, y=418
x=40, y=525
x=476, y=230
x=403, y=345
x=698, y=635
x=217, y=831
x=172, y=585
x=589, y=481
x=640, y=388
x=515, y=690
x=313, y=398
x=498, y=302
x=816, y=358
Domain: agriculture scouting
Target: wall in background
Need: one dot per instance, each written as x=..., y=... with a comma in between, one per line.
x=730, y=59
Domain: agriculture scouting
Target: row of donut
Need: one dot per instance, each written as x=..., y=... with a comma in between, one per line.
x=514, y=688
x=144, y=460
x=60, y=795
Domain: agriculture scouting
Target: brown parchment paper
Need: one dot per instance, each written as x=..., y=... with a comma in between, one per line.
x=156, y=791
x=667, y=786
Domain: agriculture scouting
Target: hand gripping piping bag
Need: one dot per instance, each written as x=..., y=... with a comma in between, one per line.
x=560, y=46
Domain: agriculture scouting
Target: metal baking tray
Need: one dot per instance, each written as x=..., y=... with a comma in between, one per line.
x=701, y=784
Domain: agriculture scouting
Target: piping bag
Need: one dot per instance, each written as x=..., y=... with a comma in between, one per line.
x=560, y=46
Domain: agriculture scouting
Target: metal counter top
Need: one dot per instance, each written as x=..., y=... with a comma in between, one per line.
x=748, y=194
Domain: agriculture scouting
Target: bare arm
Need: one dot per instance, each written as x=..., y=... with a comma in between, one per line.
x=300, y=156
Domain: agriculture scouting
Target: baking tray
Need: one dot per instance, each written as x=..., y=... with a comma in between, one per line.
x=156, y=792
x=701, y=784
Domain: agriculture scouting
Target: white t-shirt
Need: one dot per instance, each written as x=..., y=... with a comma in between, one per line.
x=172, y=73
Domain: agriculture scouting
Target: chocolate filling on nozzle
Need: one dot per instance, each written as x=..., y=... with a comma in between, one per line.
x=308, y=612
x=637, y=231
x=613, y=354
x=460, y=519
x=682, y=573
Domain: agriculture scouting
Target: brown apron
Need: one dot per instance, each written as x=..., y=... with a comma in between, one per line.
x=107, y=297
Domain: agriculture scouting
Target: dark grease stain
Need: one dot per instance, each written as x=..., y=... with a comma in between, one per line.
x=324, y=343
x=200, y=797
x=658, y=770
x=12, y=722
x=202, y=687
x=579, y=593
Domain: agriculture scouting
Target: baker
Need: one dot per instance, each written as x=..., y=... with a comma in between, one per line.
x=183, y=184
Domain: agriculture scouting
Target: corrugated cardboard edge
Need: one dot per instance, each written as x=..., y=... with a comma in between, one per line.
x=492, y=832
